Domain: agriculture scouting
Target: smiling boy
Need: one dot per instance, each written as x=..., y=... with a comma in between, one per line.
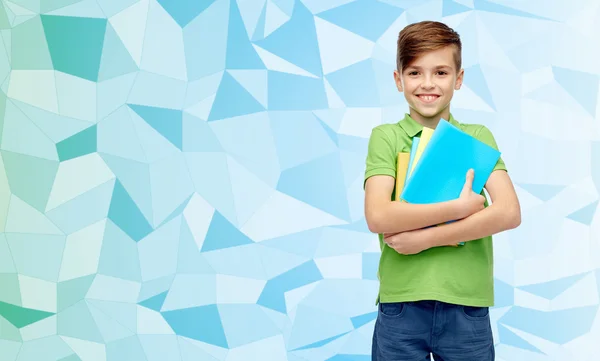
x=433, y=298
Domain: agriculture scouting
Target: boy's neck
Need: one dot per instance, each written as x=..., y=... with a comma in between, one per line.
x=429, y=122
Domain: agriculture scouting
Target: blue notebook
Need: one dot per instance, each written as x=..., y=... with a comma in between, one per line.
x=440, y=173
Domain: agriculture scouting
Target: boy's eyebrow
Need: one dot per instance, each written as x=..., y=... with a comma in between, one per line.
x=436, y=67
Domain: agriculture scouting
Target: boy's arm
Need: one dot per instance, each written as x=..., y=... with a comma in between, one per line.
x=386, y=216
x=503, y=214
x=383, y=215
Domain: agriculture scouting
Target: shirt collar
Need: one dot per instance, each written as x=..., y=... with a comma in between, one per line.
x=412, y=128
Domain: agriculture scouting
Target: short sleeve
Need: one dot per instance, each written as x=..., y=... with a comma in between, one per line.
x=380, y=155
x=486, y=136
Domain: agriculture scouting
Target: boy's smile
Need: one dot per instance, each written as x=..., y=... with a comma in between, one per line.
x=428, y=98
x=428, y=84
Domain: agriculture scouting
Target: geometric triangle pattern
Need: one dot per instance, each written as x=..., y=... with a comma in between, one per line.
x=155, y=303
x=78, y=144
x=167, y=122
x=222, y=234
x=21, y=317
x=552, y=289
x=450, y=7
x=544, y=192
x=75, y=44
x=585, y=215
x=184, y=11
x=182, y=180
x=580, y=85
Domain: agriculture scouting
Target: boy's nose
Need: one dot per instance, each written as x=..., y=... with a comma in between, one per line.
x=427, y=84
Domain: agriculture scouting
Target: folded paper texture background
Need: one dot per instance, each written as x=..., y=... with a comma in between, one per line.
x=180, y=180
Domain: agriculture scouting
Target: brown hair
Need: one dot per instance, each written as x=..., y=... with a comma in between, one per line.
x=418, y=38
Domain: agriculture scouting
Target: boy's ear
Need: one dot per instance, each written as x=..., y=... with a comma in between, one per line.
x=459, y=79
x=398, y=80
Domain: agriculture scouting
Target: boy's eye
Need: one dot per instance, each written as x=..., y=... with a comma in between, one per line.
x=413, y=73
x=442, y=72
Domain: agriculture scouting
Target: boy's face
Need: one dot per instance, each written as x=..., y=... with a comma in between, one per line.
x=428, y=84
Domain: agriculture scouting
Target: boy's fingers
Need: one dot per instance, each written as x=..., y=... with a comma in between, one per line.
x=469, y=179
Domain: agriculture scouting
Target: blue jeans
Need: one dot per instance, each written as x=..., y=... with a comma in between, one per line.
x=410, y=331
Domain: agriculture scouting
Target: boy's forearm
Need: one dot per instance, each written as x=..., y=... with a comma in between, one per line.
x=487, y=222
x=397, y=217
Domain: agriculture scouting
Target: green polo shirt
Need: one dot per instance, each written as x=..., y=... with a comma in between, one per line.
x=461, y=275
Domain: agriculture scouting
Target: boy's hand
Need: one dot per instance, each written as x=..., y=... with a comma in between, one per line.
x=470, y=202
x=410, y=242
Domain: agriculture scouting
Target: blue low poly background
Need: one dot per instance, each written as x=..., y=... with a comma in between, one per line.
x=182, y=180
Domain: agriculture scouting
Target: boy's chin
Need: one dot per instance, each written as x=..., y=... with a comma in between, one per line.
x=427, y=113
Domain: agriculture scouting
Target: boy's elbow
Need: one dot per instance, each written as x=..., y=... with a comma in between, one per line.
x=373, y=219
x=375, y=228
x=517, y=220
x=514, y=219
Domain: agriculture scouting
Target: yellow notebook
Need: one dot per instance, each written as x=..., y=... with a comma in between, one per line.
x=401, y=171
x=426, y=134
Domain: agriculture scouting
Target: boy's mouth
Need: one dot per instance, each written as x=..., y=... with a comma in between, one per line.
x=428, y=98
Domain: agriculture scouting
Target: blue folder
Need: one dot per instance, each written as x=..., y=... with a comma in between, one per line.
x=440, y=173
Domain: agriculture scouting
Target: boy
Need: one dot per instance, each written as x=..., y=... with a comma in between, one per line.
x=433, y=298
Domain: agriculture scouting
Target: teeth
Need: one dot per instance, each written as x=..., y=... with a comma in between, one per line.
x=428, y=98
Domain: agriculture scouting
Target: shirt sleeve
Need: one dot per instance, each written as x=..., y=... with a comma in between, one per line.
x=486, y=136
x=380, y=155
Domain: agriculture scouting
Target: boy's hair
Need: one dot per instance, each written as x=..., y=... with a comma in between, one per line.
x=418, y=38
